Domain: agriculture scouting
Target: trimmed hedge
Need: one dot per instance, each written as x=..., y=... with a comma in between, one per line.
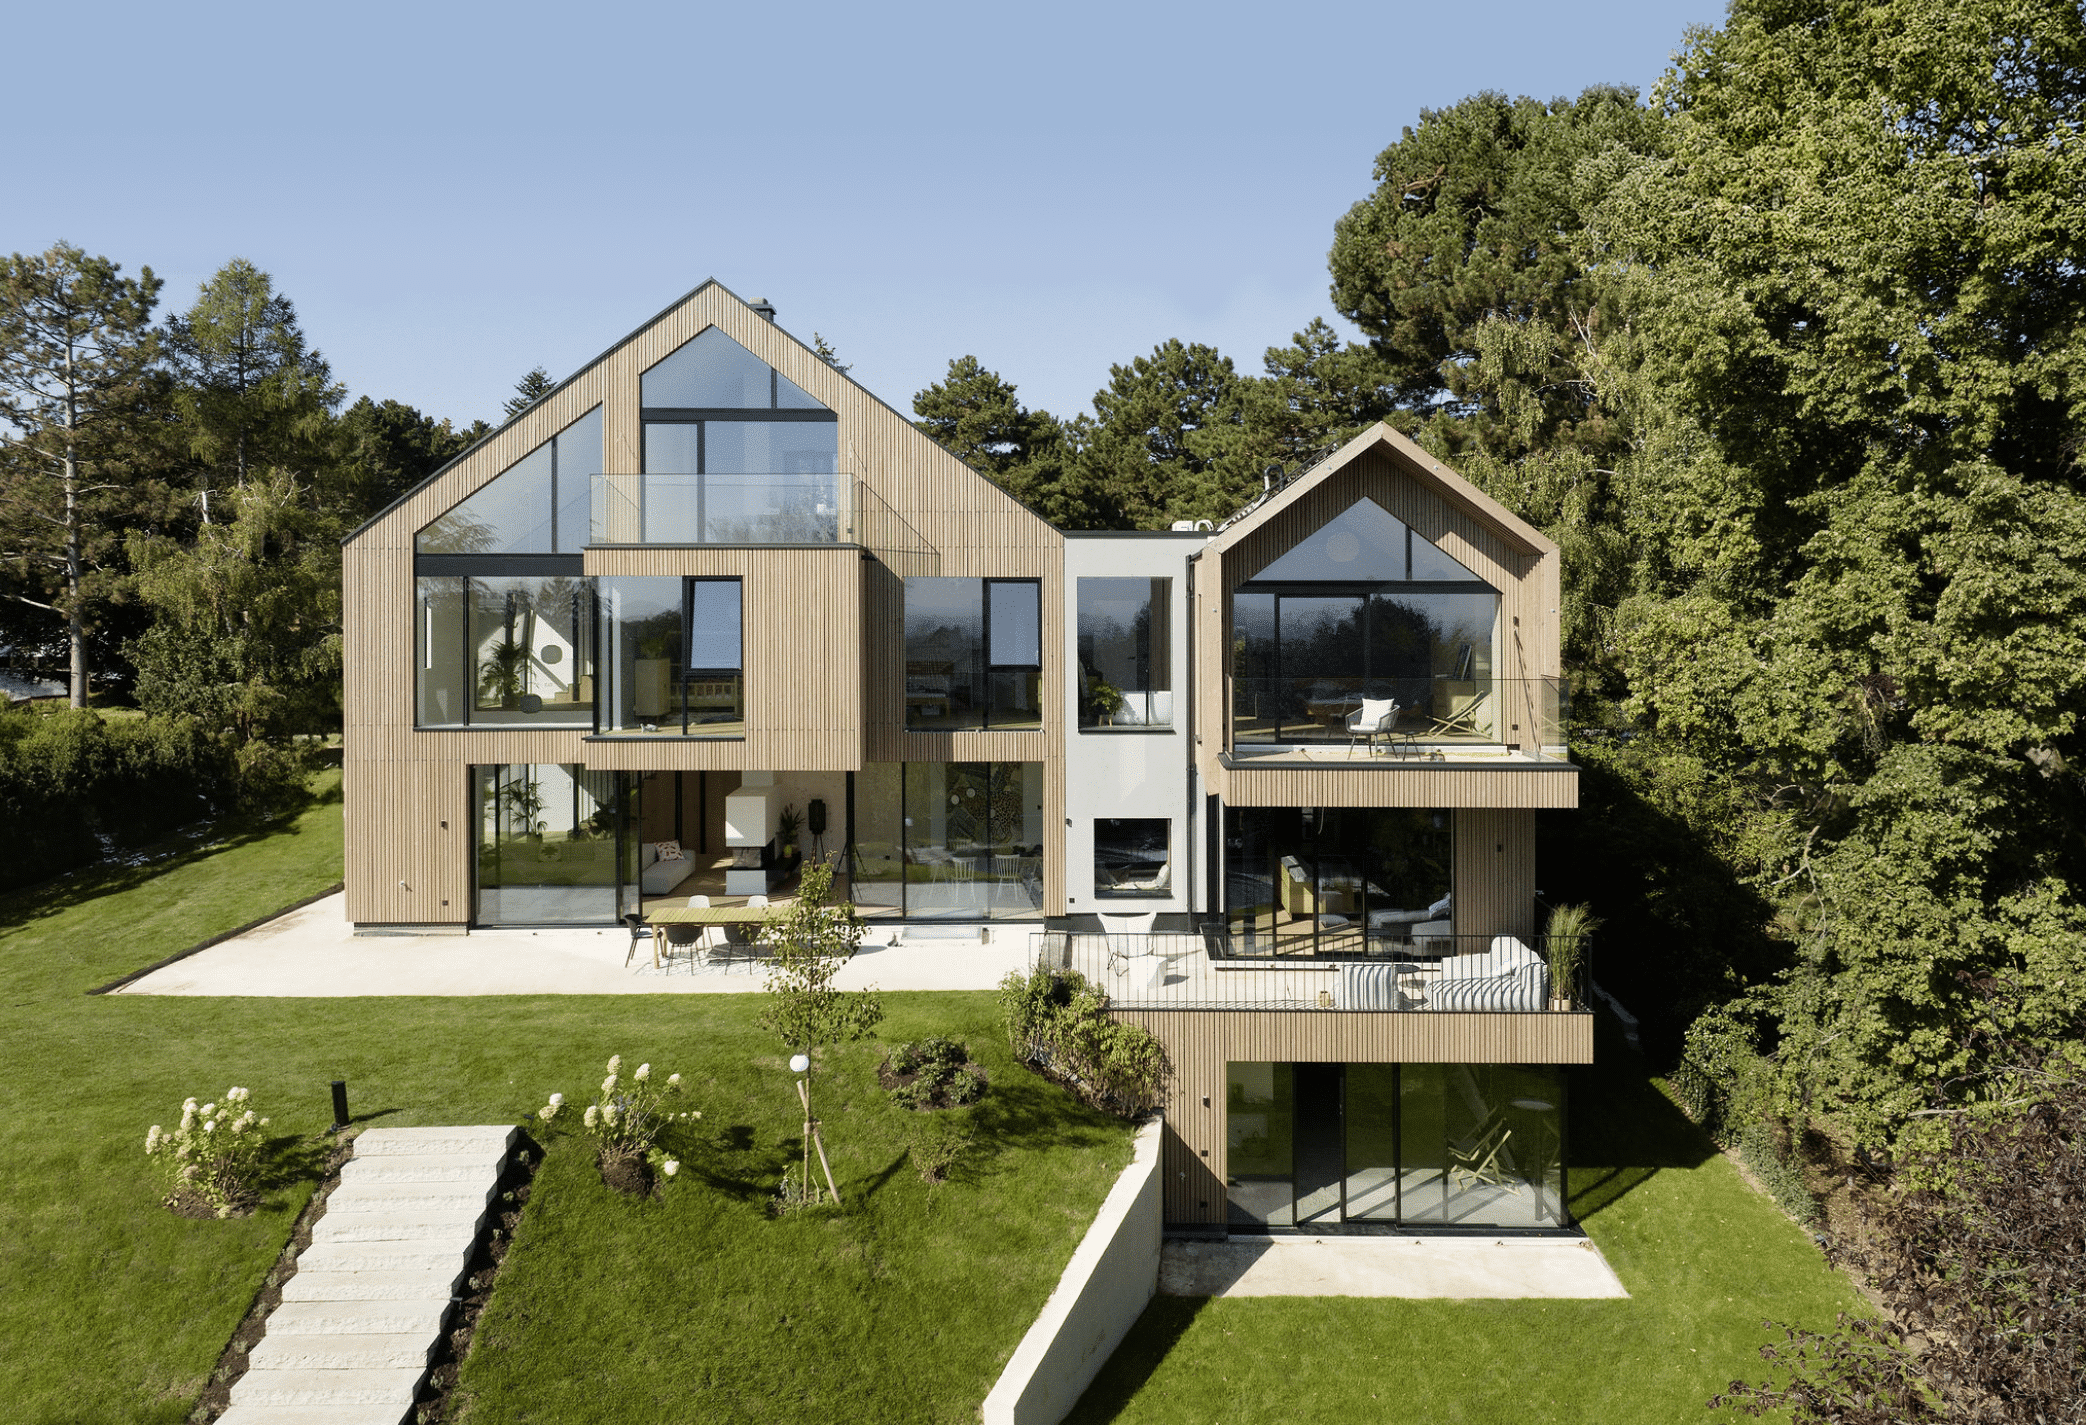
x=75, y=787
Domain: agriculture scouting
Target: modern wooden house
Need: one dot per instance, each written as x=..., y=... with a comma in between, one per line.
x=709, y=607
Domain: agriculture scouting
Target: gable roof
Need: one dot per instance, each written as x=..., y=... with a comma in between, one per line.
x=1423, y=469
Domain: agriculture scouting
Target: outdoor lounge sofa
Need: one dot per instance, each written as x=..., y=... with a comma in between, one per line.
x=1508, y=978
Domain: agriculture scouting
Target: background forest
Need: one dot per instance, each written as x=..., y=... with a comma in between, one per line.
x=1786, y=355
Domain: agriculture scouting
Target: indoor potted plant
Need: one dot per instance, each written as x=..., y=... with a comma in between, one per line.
x=1107, y=700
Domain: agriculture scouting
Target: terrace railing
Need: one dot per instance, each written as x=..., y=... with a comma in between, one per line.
x=1208, y=970
x=1528, y=714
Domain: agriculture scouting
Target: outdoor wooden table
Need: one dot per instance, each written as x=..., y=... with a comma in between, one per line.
x=725, y=915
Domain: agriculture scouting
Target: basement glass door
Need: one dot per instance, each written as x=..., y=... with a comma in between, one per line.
x=1319, y=1146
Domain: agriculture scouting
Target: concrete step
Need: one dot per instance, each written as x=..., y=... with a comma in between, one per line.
x=385, y=1257
x=387, y=1351
x=383, y=1196
x=385, y=1317
x=313, y=1415
x=398, y=1226
x=313, y=1284
x=391, y=1386
x=389, y=1142
x=422, y=1168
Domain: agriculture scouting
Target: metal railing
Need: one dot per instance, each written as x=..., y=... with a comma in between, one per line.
x=1526, y=714
x=1210, y=970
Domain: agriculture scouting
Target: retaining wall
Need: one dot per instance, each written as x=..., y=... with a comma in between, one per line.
x=1102, y=1293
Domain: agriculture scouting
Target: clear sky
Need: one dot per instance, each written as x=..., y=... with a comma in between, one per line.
x=454, y=193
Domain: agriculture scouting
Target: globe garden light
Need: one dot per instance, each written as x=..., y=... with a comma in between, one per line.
x=799, y=1063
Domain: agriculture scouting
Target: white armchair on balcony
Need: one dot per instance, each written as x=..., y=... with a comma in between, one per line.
x=1509, y=977
x=1376, y=717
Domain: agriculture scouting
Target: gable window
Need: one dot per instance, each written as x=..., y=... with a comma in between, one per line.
x=1364, y=610
x=1125, y=653
x=973, y=654
x=538, y=505
x=673, y=657
x=734, y=453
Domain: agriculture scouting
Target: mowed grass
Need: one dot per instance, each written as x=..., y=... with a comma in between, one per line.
x=112, y=1309
x=1704, y=1257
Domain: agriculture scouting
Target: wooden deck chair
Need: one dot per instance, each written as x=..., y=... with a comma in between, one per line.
x=1476, y=1157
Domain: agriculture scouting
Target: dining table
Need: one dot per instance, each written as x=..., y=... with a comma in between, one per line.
x=734, y=919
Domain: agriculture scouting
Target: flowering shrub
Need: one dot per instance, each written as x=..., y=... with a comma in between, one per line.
x=213, y=1156
x=933, y=1073
x=625, y=1121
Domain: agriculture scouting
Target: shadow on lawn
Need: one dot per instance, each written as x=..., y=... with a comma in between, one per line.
x=1624, y=1130
x=1155, y=1335
x=134, y=866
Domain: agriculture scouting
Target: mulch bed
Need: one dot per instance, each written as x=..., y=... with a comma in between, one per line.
x=438, y=1400
x=632, y=1175
x=939, y=1099
x=217, y=1395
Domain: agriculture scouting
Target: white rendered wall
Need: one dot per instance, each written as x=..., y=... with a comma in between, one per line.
x=1111, y=1278
x=1136, y=773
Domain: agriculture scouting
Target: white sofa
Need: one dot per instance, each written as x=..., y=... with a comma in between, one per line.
x=1509, y=977
x=657, y=877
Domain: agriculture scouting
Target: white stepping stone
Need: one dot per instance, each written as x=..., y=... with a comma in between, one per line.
x=418, y=1168
x=394, y=1387
x=369, y=1286
x=357, y=1352
x=447, y=1256
x=380, y=1142
x=383, y=1197
x=312, y=1415
x=395, y=1226
x=384, y=1316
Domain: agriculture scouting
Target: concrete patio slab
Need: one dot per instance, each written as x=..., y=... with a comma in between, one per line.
x=1506, y=1268
x=314, y=952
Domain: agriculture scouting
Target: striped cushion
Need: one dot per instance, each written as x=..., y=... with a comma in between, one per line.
x=1521, y=990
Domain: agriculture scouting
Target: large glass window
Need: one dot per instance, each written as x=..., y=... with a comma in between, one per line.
x=954, y=840
x=734, y=453
x=552, y=844
x=1337, y=880
x=1125, y=653
x=674, y=654
x=505, y=652
x=1133, y=858
x=1363, y=610
x=538, y=505
x=1464, y=1145
x=973, y=654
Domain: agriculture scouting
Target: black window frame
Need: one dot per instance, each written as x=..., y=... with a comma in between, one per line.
x=465, y=567
x=985, y=663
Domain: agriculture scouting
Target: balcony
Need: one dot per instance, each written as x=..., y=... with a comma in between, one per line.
x=747, y=508
x=1483, y=721
x=1214, y=970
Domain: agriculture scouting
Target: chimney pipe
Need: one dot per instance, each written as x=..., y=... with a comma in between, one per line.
x=765, y=308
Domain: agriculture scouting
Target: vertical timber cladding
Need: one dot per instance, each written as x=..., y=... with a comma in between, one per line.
x=1495, y=872
x=961, y=524
x=1383, y=466
x=1199, y=1043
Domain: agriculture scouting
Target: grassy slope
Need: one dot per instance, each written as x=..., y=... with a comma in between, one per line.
x=112, y=1309
x=1705, y=1260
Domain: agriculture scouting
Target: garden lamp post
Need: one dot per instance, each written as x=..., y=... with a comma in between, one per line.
x=798, y=1064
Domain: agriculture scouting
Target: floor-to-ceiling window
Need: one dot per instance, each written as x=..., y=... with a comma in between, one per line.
x=950, y=840
x=1336, y=880
x=555, y=843
x=1365, y=609
x=973, y=654
x=1411, y=1145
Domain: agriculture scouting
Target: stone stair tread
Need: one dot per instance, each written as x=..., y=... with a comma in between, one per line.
x=269, y=1386
x=410, y=1226
x=318, y=1284
x=389, y=1350
x=383, y=1196
x=385, y=1257
x=313, y=1415
x=379, y=1142
x=422, y=1168
x=358, y=1316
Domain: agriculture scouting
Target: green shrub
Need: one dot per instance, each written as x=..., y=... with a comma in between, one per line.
x=1058, y=1021
x=212, y=1159
x=934, y=1073
x=1762, y=1154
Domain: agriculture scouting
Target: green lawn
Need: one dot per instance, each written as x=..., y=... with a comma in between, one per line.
x=1704, y=1257
x=697, y=1307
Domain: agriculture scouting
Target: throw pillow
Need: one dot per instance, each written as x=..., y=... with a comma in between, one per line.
x=669, y=850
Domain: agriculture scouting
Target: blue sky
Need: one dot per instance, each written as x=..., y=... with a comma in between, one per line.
x=454, y=193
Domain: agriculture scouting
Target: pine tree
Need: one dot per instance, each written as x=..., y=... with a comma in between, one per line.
x=527, y=392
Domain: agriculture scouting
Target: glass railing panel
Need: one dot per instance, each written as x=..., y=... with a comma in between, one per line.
x=718, y=507
x=1528, y=714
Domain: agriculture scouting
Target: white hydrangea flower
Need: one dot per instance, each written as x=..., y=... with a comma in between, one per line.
x=547, y=1112
x=264, y=1123
x=152, y=1140
x=238, y=1125
x=644, y=1071
x=557, y=1100
x=592, y=1116
x=209, y=1124
x=672, y=1166
x=615, y=1063
x=608, y=1085
x=209, y=1109
x=609, y=1114
x=673, y=1080
x=235, y=1094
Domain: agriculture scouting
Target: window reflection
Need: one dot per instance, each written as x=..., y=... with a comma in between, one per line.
x=506, y=651
x=974, y=654
x=954, y=840
x=1125, y=653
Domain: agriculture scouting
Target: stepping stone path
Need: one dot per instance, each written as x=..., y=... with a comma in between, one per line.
x=350, y=1342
